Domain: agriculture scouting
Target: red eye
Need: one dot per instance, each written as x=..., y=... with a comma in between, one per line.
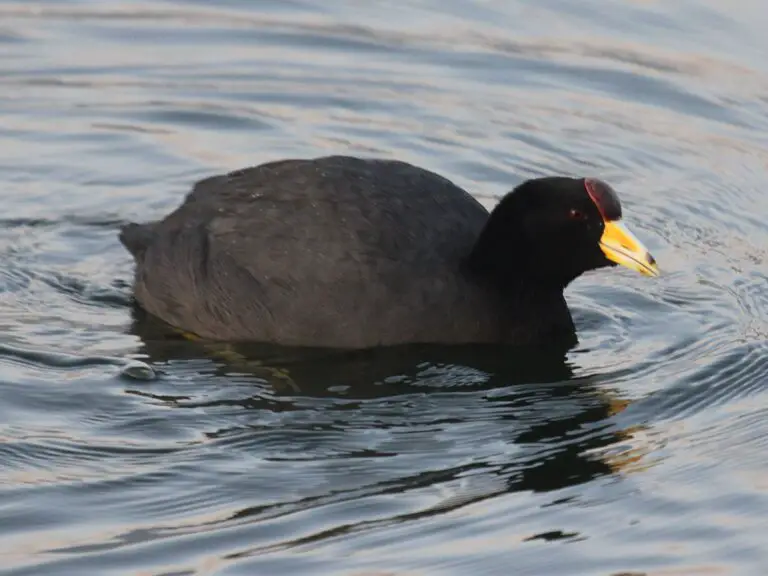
x=577, y=215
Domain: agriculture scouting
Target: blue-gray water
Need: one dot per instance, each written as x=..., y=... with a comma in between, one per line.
x=644, y=453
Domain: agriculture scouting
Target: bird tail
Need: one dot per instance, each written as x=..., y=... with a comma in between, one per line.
x=136, y=238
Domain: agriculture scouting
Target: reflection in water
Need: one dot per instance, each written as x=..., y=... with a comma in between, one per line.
x=530, y=395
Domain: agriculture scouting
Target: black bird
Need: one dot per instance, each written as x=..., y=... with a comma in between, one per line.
x=344, y=252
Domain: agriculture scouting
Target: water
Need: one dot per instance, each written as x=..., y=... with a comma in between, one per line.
x=124, y=451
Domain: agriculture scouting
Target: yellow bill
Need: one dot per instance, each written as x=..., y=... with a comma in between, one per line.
x=622, y=247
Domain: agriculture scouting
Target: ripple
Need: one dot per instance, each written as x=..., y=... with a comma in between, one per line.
x=124, y=448
x=727, y=378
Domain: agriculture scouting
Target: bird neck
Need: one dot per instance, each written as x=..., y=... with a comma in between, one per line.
x=537, y=315
x=502, y=258
x=529, y=297
x=503, y=254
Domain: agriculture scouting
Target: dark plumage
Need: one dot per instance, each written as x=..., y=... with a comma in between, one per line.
x=354, y=253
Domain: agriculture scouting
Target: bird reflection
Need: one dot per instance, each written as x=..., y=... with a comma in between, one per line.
x=562, y=422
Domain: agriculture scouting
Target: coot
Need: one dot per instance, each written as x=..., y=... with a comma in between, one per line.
x=347, y=252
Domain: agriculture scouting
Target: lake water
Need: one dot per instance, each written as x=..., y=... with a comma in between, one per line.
x=644, y=451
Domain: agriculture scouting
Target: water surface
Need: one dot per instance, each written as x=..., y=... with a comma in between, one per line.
x=643, y=451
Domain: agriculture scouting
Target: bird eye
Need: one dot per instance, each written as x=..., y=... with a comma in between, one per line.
x=577, y=214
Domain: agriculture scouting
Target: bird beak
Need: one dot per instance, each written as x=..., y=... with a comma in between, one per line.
x=622, y=247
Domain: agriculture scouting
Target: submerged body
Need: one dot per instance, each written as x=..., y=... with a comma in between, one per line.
x=337, y=252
